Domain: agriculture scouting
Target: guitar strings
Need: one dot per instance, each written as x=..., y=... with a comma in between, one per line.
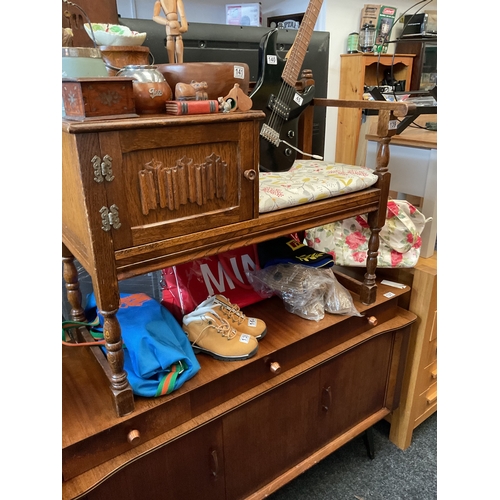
x=285, y=94
x=276, y=120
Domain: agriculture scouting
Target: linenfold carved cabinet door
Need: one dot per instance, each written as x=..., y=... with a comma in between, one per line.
x=170, y=181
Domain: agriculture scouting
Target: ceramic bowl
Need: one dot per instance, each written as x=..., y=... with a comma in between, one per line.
x=115, y=34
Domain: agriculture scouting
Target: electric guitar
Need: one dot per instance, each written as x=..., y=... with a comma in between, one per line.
x=275, y=94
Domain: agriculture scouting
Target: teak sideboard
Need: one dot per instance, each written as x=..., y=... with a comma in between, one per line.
x=236, y=429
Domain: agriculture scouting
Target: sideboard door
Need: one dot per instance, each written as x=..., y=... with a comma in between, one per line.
x=267, y=436
x=353, y=385
x=181, y=469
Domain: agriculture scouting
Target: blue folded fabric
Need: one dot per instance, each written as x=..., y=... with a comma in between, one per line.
x=158, y=356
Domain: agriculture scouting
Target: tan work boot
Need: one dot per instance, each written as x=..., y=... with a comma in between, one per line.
x=236, y=318
x=211, y=334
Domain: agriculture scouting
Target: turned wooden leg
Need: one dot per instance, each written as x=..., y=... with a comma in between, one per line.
x=376, y=220
x=383, y=154
x=113, y=363
x=122, y=392
x=368, y=293
x=73, y=293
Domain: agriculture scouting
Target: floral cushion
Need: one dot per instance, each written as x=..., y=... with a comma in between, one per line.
x=347, y=240
x=310, y=180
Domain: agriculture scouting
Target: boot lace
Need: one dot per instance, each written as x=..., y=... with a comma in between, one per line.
x=223, y=328
x=232, y=311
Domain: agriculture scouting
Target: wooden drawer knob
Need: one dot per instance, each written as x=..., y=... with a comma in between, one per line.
x=250, y=174
x=432, y=398
x=275, y=367
x=133, y=436
x=372, y=320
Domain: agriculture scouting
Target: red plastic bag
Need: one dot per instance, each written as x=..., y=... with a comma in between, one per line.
x=187, y=285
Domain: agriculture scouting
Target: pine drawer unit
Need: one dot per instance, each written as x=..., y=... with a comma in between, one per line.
x=419, y=391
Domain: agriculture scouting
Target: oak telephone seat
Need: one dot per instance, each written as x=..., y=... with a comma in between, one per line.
x=181, y=246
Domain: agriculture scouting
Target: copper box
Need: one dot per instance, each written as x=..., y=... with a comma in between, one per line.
x=98, y=98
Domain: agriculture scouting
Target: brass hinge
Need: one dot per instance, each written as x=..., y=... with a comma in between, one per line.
x=103, y=169
x=110, y=218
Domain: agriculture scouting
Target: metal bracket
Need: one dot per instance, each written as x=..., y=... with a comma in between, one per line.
x=110, y=218
x=103, y=169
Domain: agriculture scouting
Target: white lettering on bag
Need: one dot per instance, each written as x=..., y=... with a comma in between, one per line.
x=247, y=263
x=219, y=283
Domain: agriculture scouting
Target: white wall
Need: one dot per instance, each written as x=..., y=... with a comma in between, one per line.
x=339, y=17
x=209, y=11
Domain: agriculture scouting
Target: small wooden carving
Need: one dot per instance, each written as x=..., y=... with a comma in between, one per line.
x=238, y=99
x=194, y=91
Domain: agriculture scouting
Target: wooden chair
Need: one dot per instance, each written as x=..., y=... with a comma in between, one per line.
x=388, y=114
x=220, y=80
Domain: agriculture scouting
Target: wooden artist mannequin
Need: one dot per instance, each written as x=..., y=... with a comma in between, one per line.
x=173, y=9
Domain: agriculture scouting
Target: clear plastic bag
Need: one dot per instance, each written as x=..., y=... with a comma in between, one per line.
x=306, y=291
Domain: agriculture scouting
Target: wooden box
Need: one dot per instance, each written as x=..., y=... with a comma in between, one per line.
x=98, y=98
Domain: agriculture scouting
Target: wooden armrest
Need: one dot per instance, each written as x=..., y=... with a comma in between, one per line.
x=399, y=109
x=386, y=128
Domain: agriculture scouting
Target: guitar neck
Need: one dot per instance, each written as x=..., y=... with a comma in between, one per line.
x=298, y=51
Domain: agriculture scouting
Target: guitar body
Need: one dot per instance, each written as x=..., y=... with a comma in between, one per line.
x=272, y=93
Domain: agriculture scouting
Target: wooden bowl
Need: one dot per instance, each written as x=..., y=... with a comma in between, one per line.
x=150, y=97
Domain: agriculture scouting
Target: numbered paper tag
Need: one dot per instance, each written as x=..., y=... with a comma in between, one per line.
x=393, y=124
x=298, y=99
x=244, y=337
x=239, y=72
x=272, y=60
x=252, y=322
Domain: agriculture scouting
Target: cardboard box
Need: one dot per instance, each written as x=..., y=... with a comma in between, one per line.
x=244, y=14
x=369, y=15
x=382, y=17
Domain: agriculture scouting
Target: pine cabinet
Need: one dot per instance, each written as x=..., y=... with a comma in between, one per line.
x=356, y=71
x=419, y=390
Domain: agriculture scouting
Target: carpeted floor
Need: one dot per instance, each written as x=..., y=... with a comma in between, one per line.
x=394, y=474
